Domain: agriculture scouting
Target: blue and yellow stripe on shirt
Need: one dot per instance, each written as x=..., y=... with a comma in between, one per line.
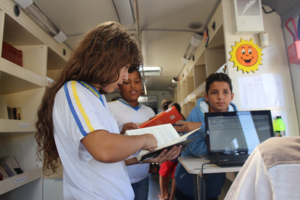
x=126, y=103
x=74, y=95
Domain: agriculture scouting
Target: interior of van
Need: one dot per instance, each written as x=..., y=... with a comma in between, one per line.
x=182, y=42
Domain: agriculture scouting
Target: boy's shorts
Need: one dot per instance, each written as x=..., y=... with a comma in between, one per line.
x=167, y=167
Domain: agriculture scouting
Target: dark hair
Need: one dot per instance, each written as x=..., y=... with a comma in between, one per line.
x=165, y=104
x=137, y=71
x=177, y=106
x=219, y=77
x=98, y=59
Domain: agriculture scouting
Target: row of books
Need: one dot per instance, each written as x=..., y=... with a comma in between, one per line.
x=14, y=113
x=9, y=168
x=12, y=54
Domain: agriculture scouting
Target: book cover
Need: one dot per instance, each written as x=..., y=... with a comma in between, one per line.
x=170, y=115
x=166, y=137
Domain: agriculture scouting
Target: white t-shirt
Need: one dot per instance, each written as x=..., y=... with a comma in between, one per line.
x=124, y=113
x=78, y=110
x=270, y=173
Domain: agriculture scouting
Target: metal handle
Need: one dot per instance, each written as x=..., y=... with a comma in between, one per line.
x=295, y=36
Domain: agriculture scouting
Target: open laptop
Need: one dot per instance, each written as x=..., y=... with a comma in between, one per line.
x=232, y=136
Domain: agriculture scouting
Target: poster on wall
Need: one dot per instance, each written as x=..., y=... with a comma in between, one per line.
x=261, y=92
x=246, y=56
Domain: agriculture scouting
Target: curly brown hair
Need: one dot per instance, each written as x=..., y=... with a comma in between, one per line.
x=98, y=59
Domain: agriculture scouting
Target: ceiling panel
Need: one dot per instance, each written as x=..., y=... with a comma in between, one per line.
x=76, y=16
x=164, y=47
x=174, y=14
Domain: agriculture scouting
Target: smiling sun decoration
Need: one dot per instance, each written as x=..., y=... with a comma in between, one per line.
x=246, y=56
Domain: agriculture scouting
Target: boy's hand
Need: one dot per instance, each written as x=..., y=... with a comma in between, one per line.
x=187, y=126
x=165, y=155
x=150, y=143
x=128, y=126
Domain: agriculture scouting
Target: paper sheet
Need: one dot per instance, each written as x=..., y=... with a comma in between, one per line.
x=261, y=92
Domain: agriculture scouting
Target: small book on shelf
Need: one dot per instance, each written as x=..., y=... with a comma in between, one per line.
x=9, y=167
x=170, y=115
x=12, y=54
x=19, y=113
x=14, y=113
x=167, y=137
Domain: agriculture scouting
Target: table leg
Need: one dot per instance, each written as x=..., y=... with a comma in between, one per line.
x=199, y=187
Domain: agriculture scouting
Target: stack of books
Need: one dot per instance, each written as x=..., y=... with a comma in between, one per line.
x=9, y=168
x=12, y=54
x=14, y=113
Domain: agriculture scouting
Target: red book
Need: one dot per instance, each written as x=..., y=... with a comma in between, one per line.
x=12, y=54
x=19, y=58
x=5, y=50
x=168, y=116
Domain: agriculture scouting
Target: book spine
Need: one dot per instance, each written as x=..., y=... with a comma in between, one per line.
x=14, y=113
x=1, y=176
x=16, y=165
x=11, y=166
x=9, y=112
x=13, y=163
x=7, y=170
x=19, y=113
x=4, y=173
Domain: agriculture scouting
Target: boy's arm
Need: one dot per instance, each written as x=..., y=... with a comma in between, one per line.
x=198, y=146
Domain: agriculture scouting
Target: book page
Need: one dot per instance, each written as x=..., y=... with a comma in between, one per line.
x=180, y=139
x=163, y=133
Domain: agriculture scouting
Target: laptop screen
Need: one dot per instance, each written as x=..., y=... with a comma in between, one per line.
x=238, y=132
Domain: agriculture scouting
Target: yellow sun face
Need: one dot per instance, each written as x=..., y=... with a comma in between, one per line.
x=246, y=56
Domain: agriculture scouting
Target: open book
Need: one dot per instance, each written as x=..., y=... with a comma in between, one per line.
x=166, y=137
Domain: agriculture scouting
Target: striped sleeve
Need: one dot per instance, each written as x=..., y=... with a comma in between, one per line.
x=81, y=108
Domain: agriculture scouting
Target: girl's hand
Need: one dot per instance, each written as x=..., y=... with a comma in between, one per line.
x=150, y=142
x=165, y=155
x=187, y=126
x=128, y=126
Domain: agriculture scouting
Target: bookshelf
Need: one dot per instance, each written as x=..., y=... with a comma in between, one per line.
x=191, y=85
x=207, y=61
x=24, y=87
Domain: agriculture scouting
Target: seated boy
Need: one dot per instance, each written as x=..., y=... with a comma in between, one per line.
x=218, y=98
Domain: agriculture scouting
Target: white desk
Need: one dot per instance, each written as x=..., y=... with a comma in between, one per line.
x=193, y=166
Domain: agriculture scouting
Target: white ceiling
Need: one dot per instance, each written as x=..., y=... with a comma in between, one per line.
x=163, y=26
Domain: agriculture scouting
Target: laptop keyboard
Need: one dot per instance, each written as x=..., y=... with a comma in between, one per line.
x=230, y=158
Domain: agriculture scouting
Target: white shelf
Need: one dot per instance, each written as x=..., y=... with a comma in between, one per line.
x=17, y=79
x=16, y=126
x=20, y=180
x=200, y=91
